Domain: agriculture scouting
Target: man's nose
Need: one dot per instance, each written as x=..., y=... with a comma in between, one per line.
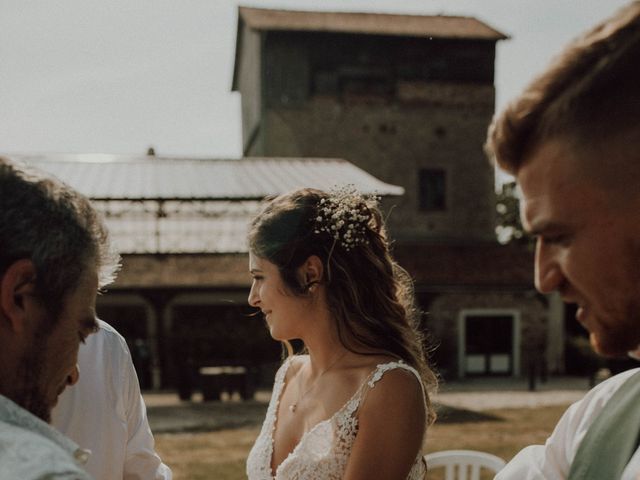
x=548, y=274
x=73, y=376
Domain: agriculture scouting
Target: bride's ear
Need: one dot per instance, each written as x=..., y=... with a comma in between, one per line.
x=311, y=273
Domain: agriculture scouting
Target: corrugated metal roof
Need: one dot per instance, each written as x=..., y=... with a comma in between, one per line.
x=188, y=206
x=156, y=178
x=438, y=26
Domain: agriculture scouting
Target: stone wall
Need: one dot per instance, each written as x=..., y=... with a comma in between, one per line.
x=444, y=128
x=193, y=271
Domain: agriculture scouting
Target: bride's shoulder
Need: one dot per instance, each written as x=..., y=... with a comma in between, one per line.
x=297, y=361
x=393, y=388
x=372, y=369
x=292, y=365
x=390, y=376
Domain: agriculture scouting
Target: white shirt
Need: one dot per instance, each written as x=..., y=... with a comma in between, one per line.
x=105, y=412
x=552, y=460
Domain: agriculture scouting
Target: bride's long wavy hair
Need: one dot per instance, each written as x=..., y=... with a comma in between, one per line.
x=369, y=295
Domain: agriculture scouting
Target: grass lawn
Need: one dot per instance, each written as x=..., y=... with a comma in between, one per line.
x=221, y=454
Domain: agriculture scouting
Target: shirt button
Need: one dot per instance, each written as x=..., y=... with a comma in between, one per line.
x=82, y=456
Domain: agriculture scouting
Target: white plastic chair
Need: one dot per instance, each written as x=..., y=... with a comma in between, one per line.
x=464, y=464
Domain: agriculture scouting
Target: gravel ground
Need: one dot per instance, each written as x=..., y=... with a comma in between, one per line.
x=492, y=394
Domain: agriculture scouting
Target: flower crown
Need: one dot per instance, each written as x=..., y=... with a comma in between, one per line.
x=345, y=214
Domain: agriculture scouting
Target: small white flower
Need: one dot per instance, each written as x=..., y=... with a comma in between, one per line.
x=345, y=216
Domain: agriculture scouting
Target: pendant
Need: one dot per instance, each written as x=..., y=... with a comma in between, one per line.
x=292, y=408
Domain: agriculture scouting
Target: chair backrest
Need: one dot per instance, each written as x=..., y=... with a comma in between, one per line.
x=464, y=464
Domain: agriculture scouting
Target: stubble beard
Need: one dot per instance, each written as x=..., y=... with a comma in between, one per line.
x=625, y=337
x=31, y=395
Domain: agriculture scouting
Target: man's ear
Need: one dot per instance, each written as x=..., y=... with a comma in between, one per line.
x=17, y=283
x=312, y=271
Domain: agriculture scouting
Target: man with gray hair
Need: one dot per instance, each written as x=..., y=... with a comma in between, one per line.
x=572, y=140
x=54, y=257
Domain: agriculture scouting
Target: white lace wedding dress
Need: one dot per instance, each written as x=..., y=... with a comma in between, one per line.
x=323, y=451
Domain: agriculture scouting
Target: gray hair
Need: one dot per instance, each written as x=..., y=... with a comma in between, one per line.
x=49, y=223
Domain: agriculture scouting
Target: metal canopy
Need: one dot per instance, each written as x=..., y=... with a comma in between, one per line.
x=191, y=206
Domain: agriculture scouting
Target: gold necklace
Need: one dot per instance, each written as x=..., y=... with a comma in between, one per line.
x=294, y=406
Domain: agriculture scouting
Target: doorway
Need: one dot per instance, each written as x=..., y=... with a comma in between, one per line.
x=489, y=343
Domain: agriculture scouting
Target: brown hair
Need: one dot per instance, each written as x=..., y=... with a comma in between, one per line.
x=369, y=296
x=590, y=92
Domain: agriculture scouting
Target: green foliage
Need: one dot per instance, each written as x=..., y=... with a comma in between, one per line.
x=509, y=227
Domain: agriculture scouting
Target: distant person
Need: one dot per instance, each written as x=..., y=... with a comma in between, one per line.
x=356, y=404
x=105, y=412
x=572, y=140
x=53, y=258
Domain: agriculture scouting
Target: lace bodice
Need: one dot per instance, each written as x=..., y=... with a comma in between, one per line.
x=323, y=451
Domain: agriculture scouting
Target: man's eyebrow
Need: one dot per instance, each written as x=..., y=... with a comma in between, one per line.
x=545, y=227
x=254, y=270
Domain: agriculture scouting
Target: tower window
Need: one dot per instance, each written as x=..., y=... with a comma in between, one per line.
x=432, y=189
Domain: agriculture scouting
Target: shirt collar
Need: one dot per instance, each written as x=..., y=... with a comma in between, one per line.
x=13, y=414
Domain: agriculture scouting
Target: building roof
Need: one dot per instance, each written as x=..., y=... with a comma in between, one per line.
x=117, y=177
x=436, y=26
x=188, y=206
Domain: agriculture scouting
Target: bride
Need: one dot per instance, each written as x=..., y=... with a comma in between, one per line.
x=355, y=405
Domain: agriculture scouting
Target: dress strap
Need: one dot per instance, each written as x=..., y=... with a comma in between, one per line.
x=282, y=373
x=376, y=375
x=276, y=393
x=381, y=369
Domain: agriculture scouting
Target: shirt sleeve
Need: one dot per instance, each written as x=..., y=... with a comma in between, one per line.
x=141, y=460
x=553, y=459
x=548, y=461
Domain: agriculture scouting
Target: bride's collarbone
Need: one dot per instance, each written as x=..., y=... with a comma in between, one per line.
x=319, y=406
x=323, y=402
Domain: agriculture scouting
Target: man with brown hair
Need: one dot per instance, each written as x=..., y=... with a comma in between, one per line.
x=54, y=256
x=572, y=140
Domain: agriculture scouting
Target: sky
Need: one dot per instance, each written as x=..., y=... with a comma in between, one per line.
x=118, y=76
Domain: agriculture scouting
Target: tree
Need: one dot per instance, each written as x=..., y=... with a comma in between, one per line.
x=509, y=227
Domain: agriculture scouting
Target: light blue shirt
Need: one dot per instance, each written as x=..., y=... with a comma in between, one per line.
x=30, y=449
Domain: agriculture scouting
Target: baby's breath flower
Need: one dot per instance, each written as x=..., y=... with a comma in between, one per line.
x=345, y=215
